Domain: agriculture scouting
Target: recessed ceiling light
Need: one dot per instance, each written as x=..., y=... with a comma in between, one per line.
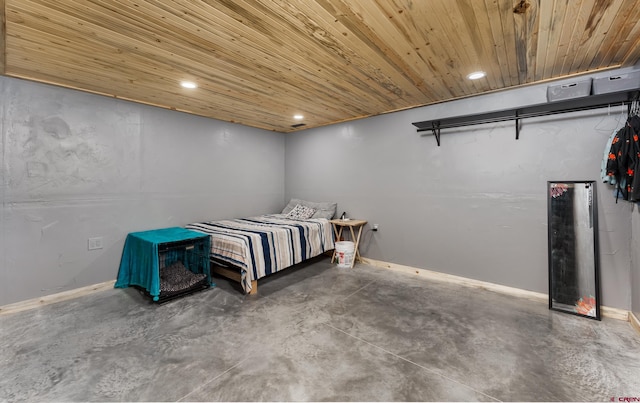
x=298, y=117
x=476, y=75
x=188, y=84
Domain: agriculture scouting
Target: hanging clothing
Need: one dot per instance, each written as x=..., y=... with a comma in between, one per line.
x=610, y=179
x=635, y=185
x=624, y=159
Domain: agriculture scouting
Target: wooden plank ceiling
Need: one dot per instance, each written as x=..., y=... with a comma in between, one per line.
x=259, y=62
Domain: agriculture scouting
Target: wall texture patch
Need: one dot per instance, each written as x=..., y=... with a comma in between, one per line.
x=64, y=148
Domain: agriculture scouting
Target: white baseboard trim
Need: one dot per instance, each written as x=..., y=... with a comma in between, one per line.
x=614, y=313
x=53, y=298
x=635, y=322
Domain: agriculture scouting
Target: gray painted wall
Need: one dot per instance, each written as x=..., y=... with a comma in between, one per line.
x=474, y=207
x=76, y=165
x=635, y=258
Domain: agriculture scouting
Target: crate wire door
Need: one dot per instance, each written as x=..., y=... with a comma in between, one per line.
x=192, y=253
x=184, y=267
x=573, y=248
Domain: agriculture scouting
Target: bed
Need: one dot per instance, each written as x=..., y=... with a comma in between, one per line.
x=248, y=249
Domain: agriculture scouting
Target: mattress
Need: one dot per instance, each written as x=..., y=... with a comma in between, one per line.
x=263, y=245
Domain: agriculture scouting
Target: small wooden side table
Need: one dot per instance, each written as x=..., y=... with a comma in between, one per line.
x=339, y=225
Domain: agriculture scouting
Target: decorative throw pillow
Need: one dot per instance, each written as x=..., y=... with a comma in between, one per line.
x=301, y=212
x=323, y=209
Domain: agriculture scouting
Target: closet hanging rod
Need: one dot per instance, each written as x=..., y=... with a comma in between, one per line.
x=550, y=108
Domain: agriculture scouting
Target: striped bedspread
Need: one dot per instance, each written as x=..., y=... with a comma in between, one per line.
x=263, y=245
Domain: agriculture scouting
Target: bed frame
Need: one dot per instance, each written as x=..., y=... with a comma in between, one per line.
x=233, y=275
x=247, y=249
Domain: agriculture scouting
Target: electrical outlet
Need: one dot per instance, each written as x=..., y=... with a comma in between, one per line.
x=95, y=243
x=375, y=227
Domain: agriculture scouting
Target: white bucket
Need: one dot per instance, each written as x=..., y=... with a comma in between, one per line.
x=344, y=253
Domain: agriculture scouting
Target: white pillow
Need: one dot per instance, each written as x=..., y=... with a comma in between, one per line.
x=301, y=212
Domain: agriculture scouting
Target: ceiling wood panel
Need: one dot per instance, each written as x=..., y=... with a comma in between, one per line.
x=576, y=47
x=626, y=18
x=2, y=36
x=526, y=33
x=259, y=62
x=628, y=48
x=598, y=24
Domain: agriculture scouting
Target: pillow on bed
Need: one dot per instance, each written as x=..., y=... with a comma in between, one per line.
x=301, y=212
x=323, y=209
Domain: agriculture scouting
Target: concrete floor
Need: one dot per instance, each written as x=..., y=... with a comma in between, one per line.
x=316, y=333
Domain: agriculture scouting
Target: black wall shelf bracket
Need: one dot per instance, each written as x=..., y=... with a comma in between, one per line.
x=546, y=109
x=435, y=127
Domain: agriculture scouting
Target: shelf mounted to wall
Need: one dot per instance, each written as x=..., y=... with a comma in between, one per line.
x=549, y=108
